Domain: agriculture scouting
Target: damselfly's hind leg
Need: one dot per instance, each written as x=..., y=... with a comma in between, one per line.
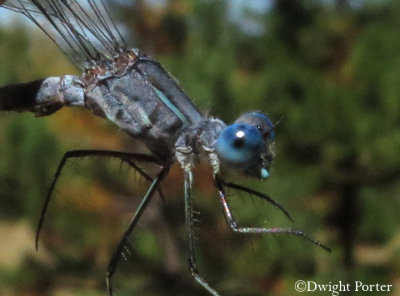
x=129, y=158
x=219, y=183
x=189, y=229
x=112, y=265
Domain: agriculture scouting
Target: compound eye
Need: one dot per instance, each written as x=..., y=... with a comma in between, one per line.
x=261, y=121
x=268, y=127
x=240, y=145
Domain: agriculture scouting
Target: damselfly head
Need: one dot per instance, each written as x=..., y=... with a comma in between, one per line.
x=246, y=145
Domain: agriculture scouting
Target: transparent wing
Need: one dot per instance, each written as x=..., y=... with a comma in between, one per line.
x=83, y=29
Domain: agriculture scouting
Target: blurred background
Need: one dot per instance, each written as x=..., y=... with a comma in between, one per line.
x=330, y=69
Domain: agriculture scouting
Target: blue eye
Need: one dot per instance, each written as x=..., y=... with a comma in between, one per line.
x=240, y=145
x=261, y=121
x=269, y=126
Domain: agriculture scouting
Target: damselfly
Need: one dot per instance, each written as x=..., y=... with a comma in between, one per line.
x=134, y=92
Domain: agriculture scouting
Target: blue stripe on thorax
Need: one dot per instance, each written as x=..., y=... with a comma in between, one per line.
x=171, y=106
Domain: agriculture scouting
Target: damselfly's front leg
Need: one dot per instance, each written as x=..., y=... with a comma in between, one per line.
x=235, y=227
x=129, y=158
x=189, y=229
x=263, y=196
x=139, y=211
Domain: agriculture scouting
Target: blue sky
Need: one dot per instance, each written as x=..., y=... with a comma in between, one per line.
x=236, y=9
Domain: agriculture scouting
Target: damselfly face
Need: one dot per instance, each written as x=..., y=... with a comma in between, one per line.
x=246, y=145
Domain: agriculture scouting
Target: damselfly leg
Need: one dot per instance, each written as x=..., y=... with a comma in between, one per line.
x=112, y=265
x=219, y=183
x=261, y=195
x=129, y=158
x=189, y=229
